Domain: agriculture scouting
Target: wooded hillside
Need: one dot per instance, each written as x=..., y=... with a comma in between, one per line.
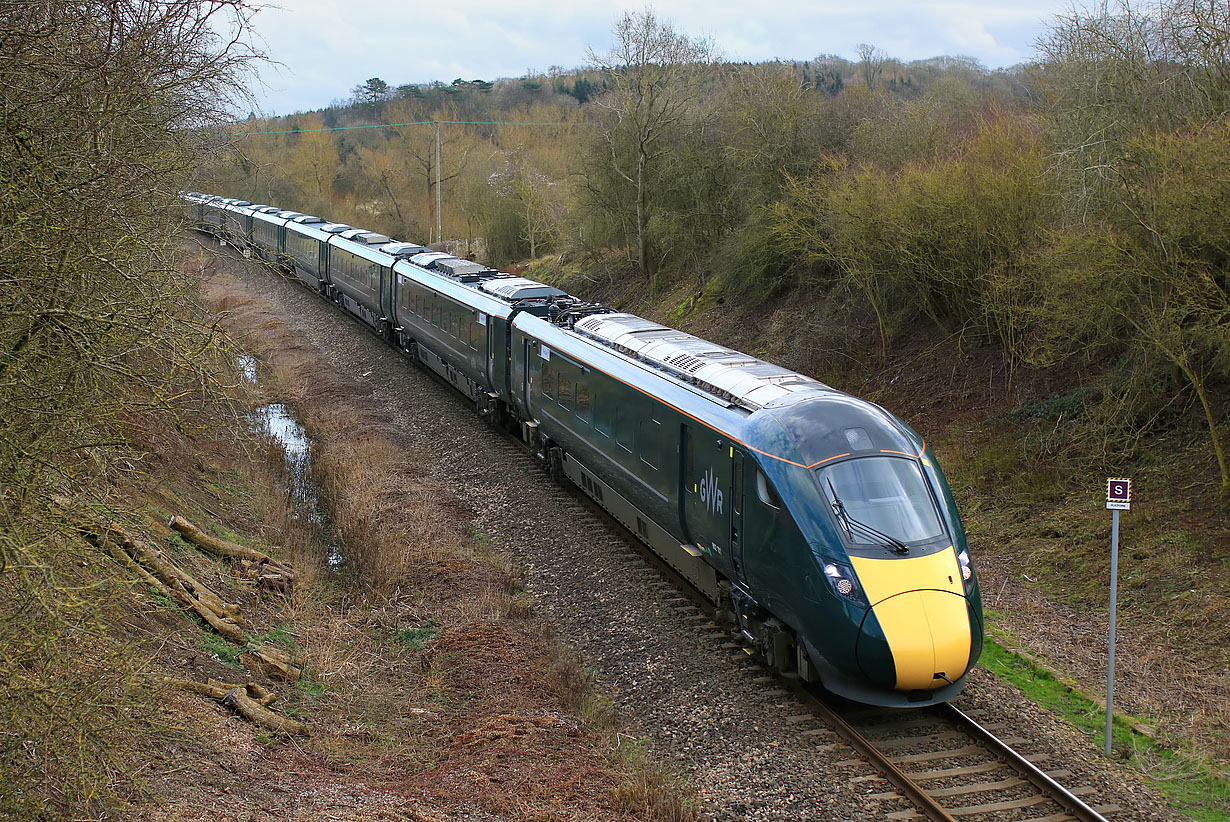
x=1069, y=212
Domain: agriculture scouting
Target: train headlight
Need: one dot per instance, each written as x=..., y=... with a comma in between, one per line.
x=844, y=584
x=967, y=570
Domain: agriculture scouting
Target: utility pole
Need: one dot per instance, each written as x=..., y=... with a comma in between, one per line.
x=437, y=124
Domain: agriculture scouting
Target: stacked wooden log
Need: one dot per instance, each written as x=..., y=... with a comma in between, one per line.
x=154, y=566
x=269, y=574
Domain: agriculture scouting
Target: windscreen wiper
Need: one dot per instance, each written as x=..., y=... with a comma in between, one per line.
x=851, y=523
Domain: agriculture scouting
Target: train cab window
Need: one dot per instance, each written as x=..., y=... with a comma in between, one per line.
x=585, y=408
x=877, y=496
x=565, y=390
x=764, y=490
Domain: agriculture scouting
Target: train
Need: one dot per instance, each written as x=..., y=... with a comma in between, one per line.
x=819, y=524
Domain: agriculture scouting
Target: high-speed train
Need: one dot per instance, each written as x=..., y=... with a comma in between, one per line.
x=819, y=522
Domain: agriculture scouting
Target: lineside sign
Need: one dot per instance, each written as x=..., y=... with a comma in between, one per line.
x=1119, y=494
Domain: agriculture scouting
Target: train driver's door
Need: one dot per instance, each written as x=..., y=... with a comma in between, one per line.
x=708, y=514
x=736, y=511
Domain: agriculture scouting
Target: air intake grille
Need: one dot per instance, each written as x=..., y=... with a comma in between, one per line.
x=686, y=362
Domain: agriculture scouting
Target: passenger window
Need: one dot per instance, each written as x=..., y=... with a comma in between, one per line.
x=585, y=409
x=548, y=381
x=623, y=428
x=435, y=316
x=765, y=491
x=565, y=390
x=649, y=441
x=602, y=417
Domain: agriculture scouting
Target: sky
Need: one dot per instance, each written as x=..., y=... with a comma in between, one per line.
x=321, y=49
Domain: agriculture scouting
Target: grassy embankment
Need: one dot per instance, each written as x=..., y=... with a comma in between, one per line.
x=430, y=686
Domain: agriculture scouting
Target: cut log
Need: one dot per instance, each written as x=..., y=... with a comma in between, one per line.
x=173, y=581
x=273, y=663
x=269, y=573
x=226, y=548
x=237, y=698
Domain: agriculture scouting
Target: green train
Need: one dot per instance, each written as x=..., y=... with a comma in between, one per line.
x=819, y=522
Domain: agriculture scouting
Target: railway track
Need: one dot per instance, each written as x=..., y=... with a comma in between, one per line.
x=951, y=767
x=909, y=765
x=938, y=760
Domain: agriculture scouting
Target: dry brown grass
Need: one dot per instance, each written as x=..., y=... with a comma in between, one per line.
x=431, y=686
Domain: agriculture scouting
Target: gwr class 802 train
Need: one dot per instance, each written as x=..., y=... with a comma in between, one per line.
x=819, y=522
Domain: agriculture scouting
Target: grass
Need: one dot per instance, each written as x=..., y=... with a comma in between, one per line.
x=220, y=649
x=229, y=653
x=1187, y=782
x=416, y=638
x=310, y=687
x=426, y=651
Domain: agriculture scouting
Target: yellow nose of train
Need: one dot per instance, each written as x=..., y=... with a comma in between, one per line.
x=920, y=605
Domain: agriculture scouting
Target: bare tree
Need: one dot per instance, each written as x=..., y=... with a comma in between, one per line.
x=871, y=63
x=655, y=77
x=1137, y=99
x=105, y=108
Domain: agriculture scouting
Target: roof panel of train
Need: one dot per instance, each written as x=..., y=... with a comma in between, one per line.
x=309, y=229
x=729, y=375
x=361, y=249
x=701, y=405
x=269, y=215
x=362, y=235
x=514, y=289
x=454, y=289
x=396, y=249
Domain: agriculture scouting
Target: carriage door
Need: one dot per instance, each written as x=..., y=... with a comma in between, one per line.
x=387, y=285
x=706, y=494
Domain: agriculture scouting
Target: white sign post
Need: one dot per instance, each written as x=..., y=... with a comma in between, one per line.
x=1118, y=498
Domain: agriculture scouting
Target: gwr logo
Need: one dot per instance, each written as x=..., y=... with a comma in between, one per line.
x=710, y=494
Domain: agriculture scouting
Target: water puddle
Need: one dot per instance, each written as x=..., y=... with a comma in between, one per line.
x=247, y=367
x=276, y=422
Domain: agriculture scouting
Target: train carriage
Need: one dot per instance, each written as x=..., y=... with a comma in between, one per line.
x=359, y=273
x=237, y=223
x=266, y=233
x=456, y=330
x=305, y=250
